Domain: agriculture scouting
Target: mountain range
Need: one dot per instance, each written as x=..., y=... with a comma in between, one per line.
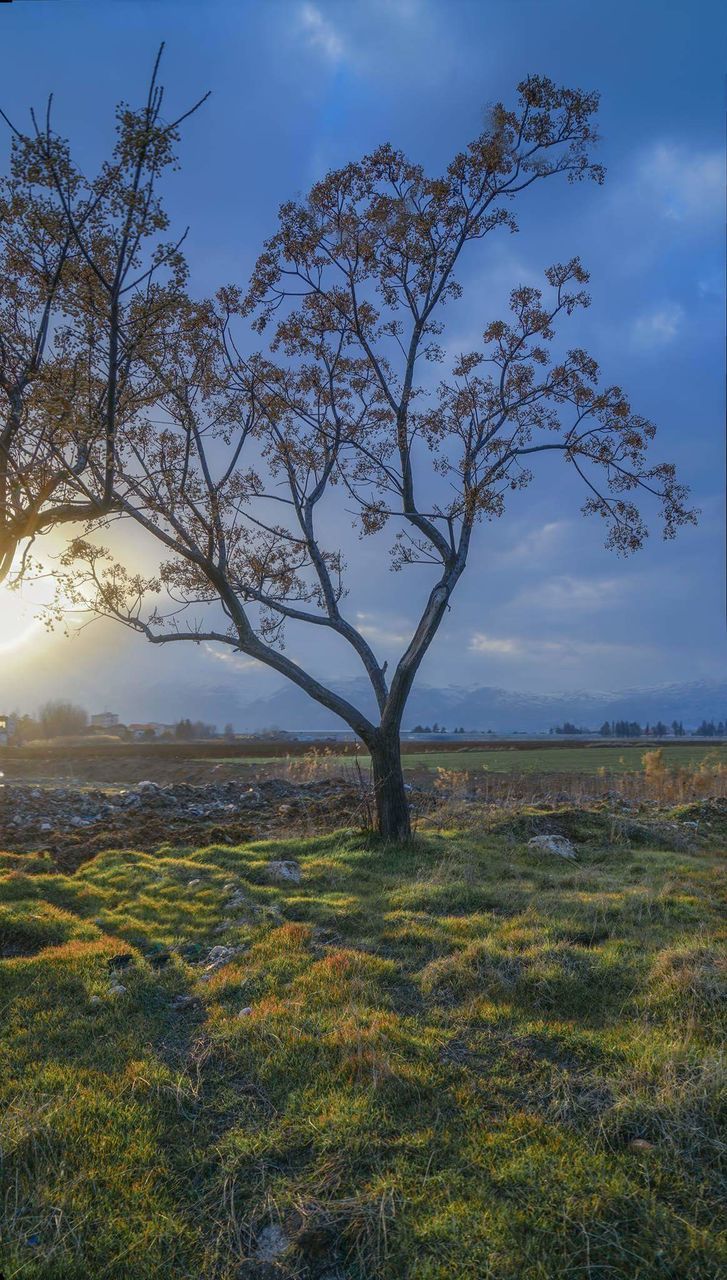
x=485, y=707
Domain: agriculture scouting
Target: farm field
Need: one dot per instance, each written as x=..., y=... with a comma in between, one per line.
x=455, y=1059
x=517, y=759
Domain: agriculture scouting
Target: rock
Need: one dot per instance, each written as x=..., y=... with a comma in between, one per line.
x=216, y=958
x=45, y=826
x=641, y=1144
x=229, y=888
x=285, y=871
x=192, y=883
x=237, y=900
x=147, y=788
x=558, y=845
x=95, y=1000
x=183, y=1002
x=271, y=1242
x=117, y=989
x=245, y=1013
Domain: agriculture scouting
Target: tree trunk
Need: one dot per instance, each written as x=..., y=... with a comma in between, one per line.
x=392, y=806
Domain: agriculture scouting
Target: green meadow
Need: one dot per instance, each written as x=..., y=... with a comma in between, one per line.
x=515, y=759
x=459, y=1060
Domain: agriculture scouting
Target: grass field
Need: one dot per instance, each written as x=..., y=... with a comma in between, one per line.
x=460, y=1062
x=519, y=759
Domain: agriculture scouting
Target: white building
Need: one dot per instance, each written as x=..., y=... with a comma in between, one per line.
x=105, y=720
x=150, y=730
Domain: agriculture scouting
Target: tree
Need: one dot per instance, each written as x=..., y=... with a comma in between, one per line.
x=58, y=718
x=353, y=285
x=86, y=274
x=192, y=730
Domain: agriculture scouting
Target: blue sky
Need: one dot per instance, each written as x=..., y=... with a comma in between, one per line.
x=299, y=87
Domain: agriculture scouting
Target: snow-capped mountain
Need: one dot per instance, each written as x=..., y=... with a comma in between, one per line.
x=502, y=710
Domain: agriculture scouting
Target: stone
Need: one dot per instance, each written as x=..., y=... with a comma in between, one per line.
x=183, y=1002
x=117, y=989
x=216, y=958
x=148, y=788
x=285, y=871
x=192, y=883
x=245, y=1013
x=271, y=1243
x=641, y=1144
x=95, y=1000
x=558, y=845
x=237, y=900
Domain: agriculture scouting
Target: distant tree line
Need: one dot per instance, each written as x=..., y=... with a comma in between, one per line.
x=434, y=728
x=632, y=729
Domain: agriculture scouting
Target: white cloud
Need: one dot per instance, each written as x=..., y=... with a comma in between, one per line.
x=321, y=34
x=565, y=594
x=686, y=185
x=537, y=544
x=506, y=647
x=711, y=286
x=657, y=328
x=396, y=633
x=565, y=651
x=230, y=657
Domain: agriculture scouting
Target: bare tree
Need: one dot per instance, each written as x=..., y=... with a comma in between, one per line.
x=233, y=480
x=58, y=718
x=85, y=274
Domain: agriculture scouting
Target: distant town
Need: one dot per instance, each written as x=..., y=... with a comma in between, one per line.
x=59, y=720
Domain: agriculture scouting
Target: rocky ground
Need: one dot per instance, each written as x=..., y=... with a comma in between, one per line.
x=73, y=823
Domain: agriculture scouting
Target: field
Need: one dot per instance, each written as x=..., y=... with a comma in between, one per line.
x=456, y=1060
x=122, y=764
x=533, y=758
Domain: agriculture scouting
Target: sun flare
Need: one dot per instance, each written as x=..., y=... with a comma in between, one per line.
x=18, y=625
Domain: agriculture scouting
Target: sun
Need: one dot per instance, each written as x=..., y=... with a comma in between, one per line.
x=18, y=625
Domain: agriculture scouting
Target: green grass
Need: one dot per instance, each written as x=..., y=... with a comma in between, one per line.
x=522, y=759
x=463, y=1062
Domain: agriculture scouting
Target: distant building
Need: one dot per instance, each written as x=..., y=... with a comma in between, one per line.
x=4, y=730
x=104, y=720
x=150, y=730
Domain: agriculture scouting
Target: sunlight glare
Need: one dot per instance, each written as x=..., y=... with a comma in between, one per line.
x=18, y=624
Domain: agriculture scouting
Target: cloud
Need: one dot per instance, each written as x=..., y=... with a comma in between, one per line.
x=321, y=34
x=565, y=594
x=566, y=650
x=711, y=285
x=230, y=657
x=685, y=185
x=504, y=646
x=367, y=624
x=538, y=544
x=657, y=328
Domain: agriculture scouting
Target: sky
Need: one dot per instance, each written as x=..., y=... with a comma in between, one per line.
x=300, y=87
